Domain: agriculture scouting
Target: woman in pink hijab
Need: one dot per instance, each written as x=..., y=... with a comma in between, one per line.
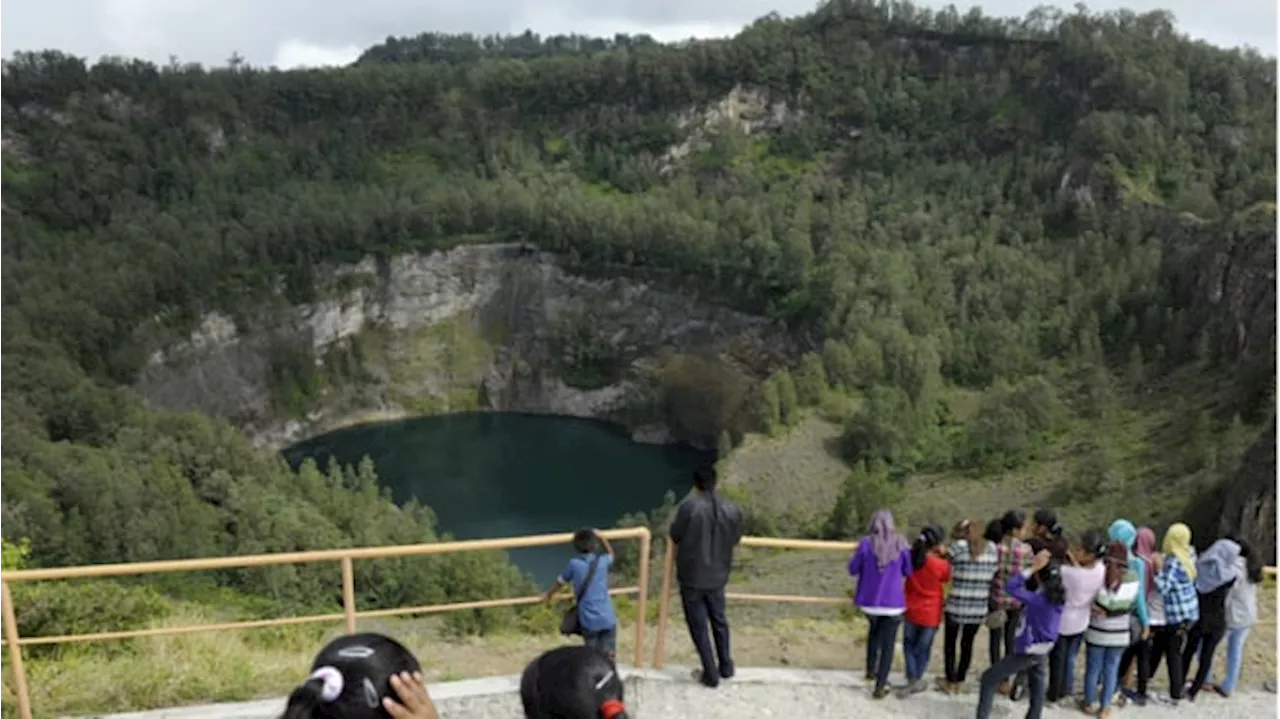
x=882, y=564
x=1144, y=547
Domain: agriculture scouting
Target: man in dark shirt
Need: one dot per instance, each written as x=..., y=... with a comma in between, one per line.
x=705, y=530
x=1047, y=534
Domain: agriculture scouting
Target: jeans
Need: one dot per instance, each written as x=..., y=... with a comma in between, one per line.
x=1142, y=652
x=965, y=633
x=1206, y=639
x=1166, y=644
x=605, y=641
x=1033, y=666
x=1235, y=657
x=1102, y=664
x=703, y=606
x=1062, y=666
x=881, y=637
x=917, y=643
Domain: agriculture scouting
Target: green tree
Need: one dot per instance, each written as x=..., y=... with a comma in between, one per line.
x=811, y=380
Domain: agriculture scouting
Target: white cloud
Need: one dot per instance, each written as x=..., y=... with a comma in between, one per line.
x=300, y=53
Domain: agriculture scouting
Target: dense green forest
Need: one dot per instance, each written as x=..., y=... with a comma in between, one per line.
x=924, y=199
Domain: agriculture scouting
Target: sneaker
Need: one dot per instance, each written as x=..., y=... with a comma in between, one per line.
x=880, y=693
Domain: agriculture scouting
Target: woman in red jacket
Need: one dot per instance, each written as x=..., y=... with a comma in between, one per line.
x=924, y=593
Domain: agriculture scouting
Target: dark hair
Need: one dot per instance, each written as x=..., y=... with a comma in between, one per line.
x=1047, y=518
x=993, y=532
x=572, y=683
x=1117, y=563
x=584, y=541
x=1253, y=567
x=1094, y=543
x=1011, y=521
x=704, y=478
x=928, y=538
x=350, y=677
x=1048, y=581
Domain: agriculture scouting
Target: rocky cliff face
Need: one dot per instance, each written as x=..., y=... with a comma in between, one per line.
x=1227, y=280
x=480, y=327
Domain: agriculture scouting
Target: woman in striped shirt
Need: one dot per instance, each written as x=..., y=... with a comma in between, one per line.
x=1109, y=633
x=973, y=564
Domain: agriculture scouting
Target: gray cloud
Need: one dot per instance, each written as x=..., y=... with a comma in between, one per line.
x=307, y=32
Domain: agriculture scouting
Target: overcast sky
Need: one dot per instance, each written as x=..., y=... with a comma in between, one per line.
x=289, y=33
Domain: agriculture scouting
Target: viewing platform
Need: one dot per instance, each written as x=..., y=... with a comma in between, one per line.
x=652, y=689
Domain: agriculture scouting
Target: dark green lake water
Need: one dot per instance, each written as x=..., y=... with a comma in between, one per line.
x=501, y=475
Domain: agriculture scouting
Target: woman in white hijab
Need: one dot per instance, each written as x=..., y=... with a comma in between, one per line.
x=1216, y=572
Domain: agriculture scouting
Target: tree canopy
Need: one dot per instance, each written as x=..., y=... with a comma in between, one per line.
x=923, y=197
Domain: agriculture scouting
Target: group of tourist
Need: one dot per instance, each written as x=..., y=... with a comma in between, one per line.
x=1129, y=604
x=1039, y=597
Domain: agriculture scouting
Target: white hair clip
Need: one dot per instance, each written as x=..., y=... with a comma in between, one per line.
x=333, y=683
x=604, y=680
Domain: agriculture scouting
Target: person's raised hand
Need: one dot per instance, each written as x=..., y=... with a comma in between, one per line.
x=415, y=702
x=1041, y=560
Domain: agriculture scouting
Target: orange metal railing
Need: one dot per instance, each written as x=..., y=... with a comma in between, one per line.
x=664, y=595
x=346, y=557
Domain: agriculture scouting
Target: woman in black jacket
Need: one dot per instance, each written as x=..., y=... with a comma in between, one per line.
x=1216, y=572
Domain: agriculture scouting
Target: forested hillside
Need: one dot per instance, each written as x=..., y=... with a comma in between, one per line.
x=927, y=201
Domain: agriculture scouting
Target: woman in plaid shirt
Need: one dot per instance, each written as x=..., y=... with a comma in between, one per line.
x=1178, y=606
x=1012, y=556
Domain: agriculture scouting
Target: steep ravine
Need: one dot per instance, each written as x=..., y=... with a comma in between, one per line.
x=479, y=327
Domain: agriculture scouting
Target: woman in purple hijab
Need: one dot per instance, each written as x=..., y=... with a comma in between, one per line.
x=882, y=564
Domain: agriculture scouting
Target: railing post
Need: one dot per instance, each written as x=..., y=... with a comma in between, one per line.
x=664, y=606
x=642, y=603
x=10, y=618
x=349, y=594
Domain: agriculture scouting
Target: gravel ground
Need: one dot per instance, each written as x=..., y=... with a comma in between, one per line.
x=805, y=695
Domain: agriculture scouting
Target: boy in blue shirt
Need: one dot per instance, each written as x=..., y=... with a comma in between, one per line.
x=595, y=609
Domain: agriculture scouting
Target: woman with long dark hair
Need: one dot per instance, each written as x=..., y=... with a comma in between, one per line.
x=1013, y=556
x=1110, y=630
x=576, y=682
x=362, y=676
x=930, y=572
x=1082, y=576
x=1041, y=595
